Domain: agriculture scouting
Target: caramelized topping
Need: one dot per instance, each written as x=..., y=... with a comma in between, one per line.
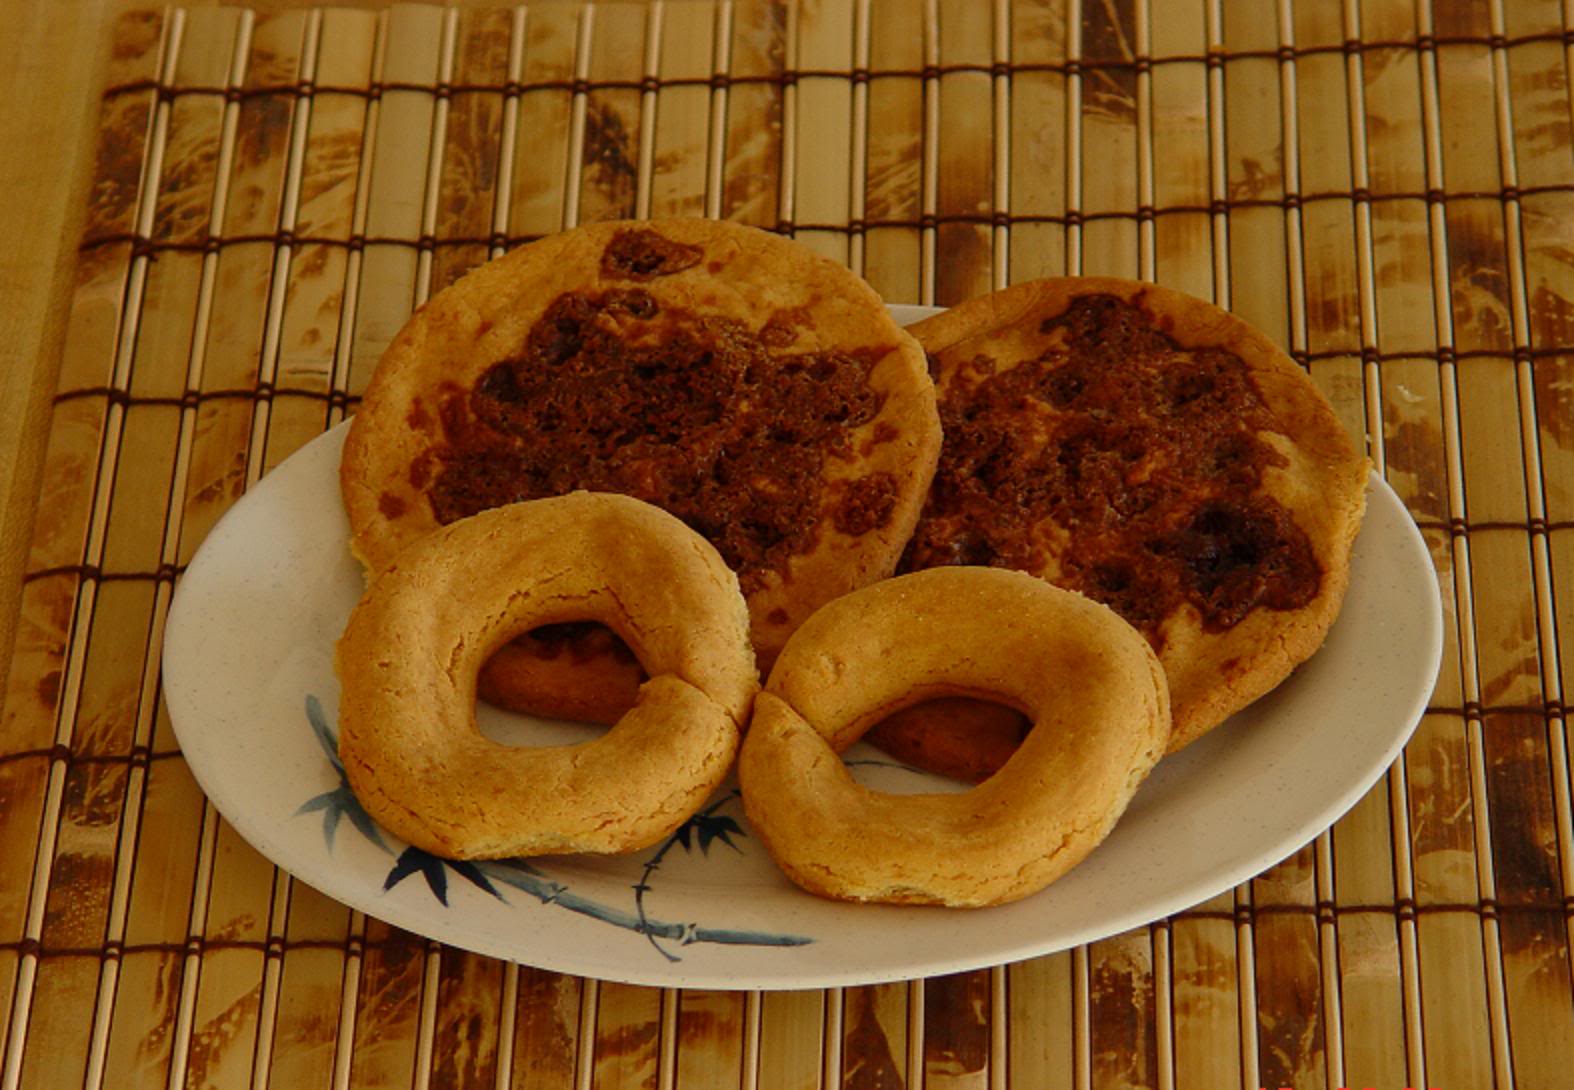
x=1147, y=457
x=638, y=253
x=695, y=414
x=865, y=504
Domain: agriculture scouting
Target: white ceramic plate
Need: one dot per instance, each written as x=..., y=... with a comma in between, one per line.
x=248, y=676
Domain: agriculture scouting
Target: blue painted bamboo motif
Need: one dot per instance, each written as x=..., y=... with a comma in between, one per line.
x=702, y=830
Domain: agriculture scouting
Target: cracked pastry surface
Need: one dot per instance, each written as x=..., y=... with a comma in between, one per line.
x=408, y=660
x=1086, y=678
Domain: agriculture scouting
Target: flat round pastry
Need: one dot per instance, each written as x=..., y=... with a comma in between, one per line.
x=754, y=389
x=1155, y=453
x=408, y=659
x=1091, y=685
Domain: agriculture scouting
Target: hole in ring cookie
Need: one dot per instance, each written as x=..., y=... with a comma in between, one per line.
x=1091, y=684
x=575, y=670
x=408, y=661
x=960, y=738
x=580, y=677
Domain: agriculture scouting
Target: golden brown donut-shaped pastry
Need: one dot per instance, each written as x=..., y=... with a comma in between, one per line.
x=408, y=660
x=1089, y=682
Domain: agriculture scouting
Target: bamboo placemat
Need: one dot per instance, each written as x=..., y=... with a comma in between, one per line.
x=1386, y=188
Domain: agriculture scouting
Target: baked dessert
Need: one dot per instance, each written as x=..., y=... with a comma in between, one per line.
x=756, y=390
x=1155, y=453
x=408, y=659
x=1085, y=677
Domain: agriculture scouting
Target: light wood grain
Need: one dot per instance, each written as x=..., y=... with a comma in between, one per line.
x=52, y=73
x=893, y=171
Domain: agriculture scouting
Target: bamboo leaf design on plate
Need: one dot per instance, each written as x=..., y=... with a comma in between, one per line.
x=325, y=735
x=702, y=830
x=435, y=871
x=341, y=801
x=709, y=828
x=705, y=827
x=521, y=875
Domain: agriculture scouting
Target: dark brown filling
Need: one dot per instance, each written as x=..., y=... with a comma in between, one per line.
x=1146, y=453
x=698, y=415
x=638, y=253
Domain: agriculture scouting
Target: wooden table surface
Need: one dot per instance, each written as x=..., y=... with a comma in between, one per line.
x=1386, y=187
x=51, y=72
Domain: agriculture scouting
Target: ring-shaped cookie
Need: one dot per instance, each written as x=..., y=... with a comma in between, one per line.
x=1089, y=682
x=408, y=660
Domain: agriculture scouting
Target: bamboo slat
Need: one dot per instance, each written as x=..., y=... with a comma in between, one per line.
x=755, y=123
x=387, y=1007
x=1109, y=140
x=892, y=195
x=263, y=124
x=546, y=1041
x=1041, y=1032
x=464, y=1045
x=817, y=188
x=8, y=974
x=1180, y=155
x=309, y=993
x=680, y=145
x=1292, y=1032
x=1041, y=97
x=791, y=1040
x=614, y=132
x=272, y=195
x=956, y=1030
x=1533, y=934
x=964, y=37
x=1121, y=1011
x=1207, y=1030
x=415, y=39
x=709, y=1049
x=1324, y=165
x=627, y=1045
x=1537, y=88
x=1371, y=999
x=875, y=1046
x=546, y=111
x=1254, y=171
x=467, y=187
x=307, y=337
